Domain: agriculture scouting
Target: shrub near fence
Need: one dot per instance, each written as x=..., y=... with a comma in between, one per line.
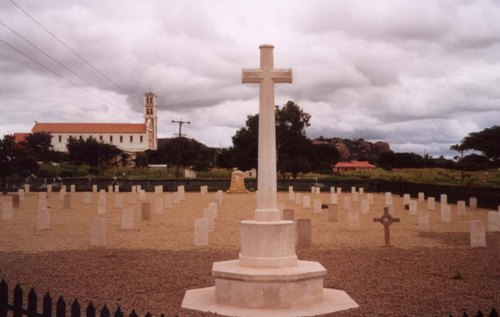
x=31, y=310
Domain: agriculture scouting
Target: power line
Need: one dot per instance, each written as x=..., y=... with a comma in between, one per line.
x=50, y=70
x=72, y=51
x=48, y=55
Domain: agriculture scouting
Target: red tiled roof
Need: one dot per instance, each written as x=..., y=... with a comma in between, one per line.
x=354, y=164
x=89, y=127
x=20, y=136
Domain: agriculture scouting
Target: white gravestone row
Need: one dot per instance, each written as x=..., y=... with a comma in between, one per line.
x=423, y=220
x=127, y=219
x=317, y=206
x=493, y=221
x=477, y=234
x=159, y=205
x=98, y=232
x=306, y=202
x=42, y=219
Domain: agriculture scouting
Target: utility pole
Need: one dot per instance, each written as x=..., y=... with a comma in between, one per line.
x=179, y=135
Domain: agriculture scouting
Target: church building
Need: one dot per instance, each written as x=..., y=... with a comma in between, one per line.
x=128, y=137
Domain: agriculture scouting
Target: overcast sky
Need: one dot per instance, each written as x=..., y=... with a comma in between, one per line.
x=420, y=75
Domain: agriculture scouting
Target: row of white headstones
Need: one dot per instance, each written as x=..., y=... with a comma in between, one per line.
x=98, y=225
x=477, y=227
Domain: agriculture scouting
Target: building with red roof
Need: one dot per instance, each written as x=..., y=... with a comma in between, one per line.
x=352, y=166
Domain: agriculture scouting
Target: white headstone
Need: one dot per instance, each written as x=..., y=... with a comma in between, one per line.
x=353, y=189
x=352, y=220
x=133, y=189
x=423, y=220
x=168, y=201
x=477, y=234
x=42, y=219
x=209, y=214
x=413, y=207
x=159, y=205
x=182, y=192
x=298, y=198
x=332, y=190
x=406, y=199
x=431, y=204
x=365, y=207
x=443, y=199
x=421, y=196
x=138, y=188
x=127, y=219
x=355, y=196
x=158, y=189
x=131, y=197
x=313, y=189
x=388, y=198
x=119, y=201
x=370, y=199
x=473, y=203
x=317, y=206
x=62, y=192
x=318, y=190
x=333, y=198
x=213, y=205
x=142, y=195
x=94, y=188
x=291, y=195
x=117, y=188
x=101, y=205
x=20, y=192
x=339, y=190
x=72, y=188
x=306, y=201
x=175, y=198
x=361, y=190
x=445, y=214
x=42, y=200
x=26, y=188
x=493, y=221
x=204, y=189
x=201, y=232
x=461, y=208
x=110, y=188
x=7, y=212
x=347, y=203
x=98, y=232
x=49, y=188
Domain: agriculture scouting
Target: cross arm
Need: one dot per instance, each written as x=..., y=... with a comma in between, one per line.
x=251, y=75
x=282, y=75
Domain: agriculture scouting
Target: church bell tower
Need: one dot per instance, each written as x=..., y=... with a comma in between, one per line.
x=151, y=119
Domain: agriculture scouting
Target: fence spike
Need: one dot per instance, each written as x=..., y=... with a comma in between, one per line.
x=465, y=314
x=60, y=307
x=90, y=311
x=148, y=314
x=493, y=312
x=17, y=307
x=118, y=312
x=479, y=314
x=4, y=297
x=47, y=305
x=104, y=311
x=75, y=308
x=133, y=313
x=32, y=303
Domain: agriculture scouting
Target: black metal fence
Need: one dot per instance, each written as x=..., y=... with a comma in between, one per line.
x=486, y=197
x=492, y=313
x=61, y=308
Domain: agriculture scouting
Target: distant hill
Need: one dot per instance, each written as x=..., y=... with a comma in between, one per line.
x=356, y=149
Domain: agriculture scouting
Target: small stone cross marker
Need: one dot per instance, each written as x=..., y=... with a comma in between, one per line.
x=386, y=220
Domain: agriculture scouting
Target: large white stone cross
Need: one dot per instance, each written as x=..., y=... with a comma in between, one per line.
x=266, y=77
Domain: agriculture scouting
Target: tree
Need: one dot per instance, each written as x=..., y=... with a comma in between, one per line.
x=15, y=158
x=91, y=152
x=293, y=148
x=485, y=141
x=192, y=153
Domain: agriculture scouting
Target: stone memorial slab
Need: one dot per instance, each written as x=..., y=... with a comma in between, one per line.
x=26, y=188
x=102, y=194
x=421, y=196
x=365, y=207
x=304, y=233
x=72, y=188
x=158, y=189
x=145, y=211
x=306, y=202
x=288, y=214
x=443, y=199
x=98, y=232
x=175, y=198
x=67, y=202
x=209, y=213
x=213, y=205
x=159, y=206
x=473, y=203
x=119, y=201
x=352, y=220
x=168, y=201
x=62, y=192
x=386, y=220
x=42, y=200
x=461, y=208
x=20, y=192
x=94, y=188
x=142, y=195
x=7, y=210
x=127, y=222
x=131, y=197
x=110, y=188
x=431, y=204
x=332, y=190
x=388, y=198
x=291, y=193
x=371, y=199
x=101, y=205
x=133, y=189
x=117, y=188
x=42, y=219
x=138, y=188
x=331, y=214
x=182, y=192
x=16, y=201
x=318, y=190
x=406, y=199
x=201, y=232
x=423, y=220
x=237, y=185
x=204, y=189
x=361, y=190
x=313, y=190
x=445, y=214
x=477, y=234
x=493, y=221
x=353, y=190
x=317, y=206
x=355, y=196
x=413, y=207
x=49, y=188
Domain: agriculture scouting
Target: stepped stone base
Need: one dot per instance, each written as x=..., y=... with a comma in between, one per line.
x=203, y=299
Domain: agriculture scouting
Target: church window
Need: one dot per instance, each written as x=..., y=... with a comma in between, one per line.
x=110, y=138
x=80, y=137
x=121, y=138
x=141, y=139
x=131, y=139
x=100, y=138
x=60, y=138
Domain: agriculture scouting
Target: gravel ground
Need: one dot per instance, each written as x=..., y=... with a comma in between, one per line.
x=151, y=267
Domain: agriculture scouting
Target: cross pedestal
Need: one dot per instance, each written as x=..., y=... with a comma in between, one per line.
x=267, y=279
x=386, y=220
